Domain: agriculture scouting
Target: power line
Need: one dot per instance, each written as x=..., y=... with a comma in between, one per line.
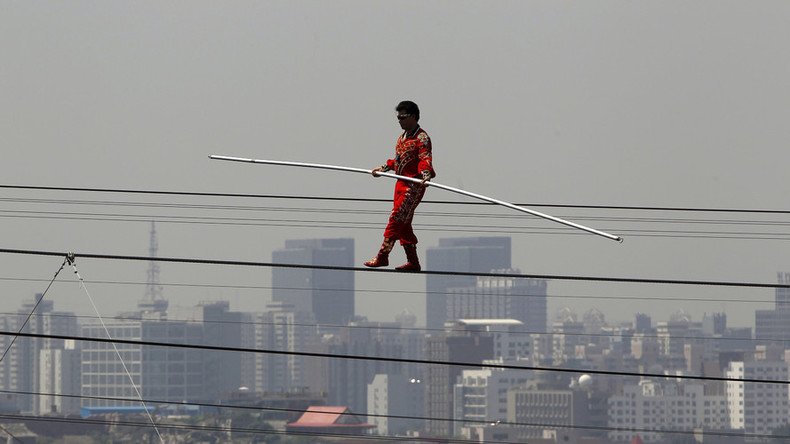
x=5, y=430
x=400, y=328
x=398, y=360
x=423, y=418
x=414, y=292
x=347, y=226
x=380, y=270
x=355, y=225
x=360, y=199
x=426, y=213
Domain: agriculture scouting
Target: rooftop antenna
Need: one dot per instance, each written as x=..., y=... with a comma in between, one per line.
x=153, y=302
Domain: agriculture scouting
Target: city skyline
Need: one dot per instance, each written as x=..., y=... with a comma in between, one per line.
x=661, y=122
x=478, y=327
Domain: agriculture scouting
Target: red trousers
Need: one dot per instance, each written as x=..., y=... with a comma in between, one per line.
x=407, y=196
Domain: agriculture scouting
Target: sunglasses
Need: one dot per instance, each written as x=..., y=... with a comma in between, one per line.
x=403, y=116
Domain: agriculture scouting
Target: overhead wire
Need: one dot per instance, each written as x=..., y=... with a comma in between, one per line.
x=422, y=292
x=336, y=210
x=11, y=435
x=334, y=224
x=360, y=199
x=665, y=282
x=500, y=366
x=390, y=271
x=771, y=211
x=382, y=327
x=357, y=224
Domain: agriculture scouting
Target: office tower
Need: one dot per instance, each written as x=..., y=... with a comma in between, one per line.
x=283, y=327
x=328, y=294
x=642, y=323
x=463, y=342
x=395, y=395
x=653, y=406
x=159, y=372
x=348, y=378
x=222, y=327
x=566, y=333
x=501, y=298
x=714, y=324
x=471, y=254
x=546, y=404
x=774, y=325
x=59, y=373
x=481, y=395
x=758, y=408
x=21, y=367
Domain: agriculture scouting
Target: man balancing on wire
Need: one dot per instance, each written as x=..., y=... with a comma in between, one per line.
x=412, y=159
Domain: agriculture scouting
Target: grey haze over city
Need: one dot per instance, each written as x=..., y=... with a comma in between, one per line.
x=640, y=104
x=600, y=103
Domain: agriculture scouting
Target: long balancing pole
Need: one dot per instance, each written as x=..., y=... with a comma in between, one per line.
x=432, y=184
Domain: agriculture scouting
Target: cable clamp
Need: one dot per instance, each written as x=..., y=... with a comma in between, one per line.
x=70, y=258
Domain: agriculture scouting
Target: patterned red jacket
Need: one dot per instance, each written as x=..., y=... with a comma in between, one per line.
x=413, y=156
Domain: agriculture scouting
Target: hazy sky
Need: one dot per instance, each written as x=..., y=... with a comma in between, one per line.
x=610, y=103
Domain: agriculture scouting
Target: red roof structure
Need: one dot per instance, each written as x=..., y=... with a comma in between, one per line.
x=637, y=440
x=330, y=419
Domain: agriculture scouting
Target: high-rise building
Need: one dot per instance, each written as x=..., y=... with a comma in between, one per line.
x=328, y=294
x=481, y=395
x=566, y=333
x=457, y=343
x=159, y=372
x=501, y=298
x=395, y=395
x=546, y=404
x=348, y=378
x=653, y=406
x=283, y=327
x=758, y=408
x=642, y=323
x=714, y=324
x=59, y=373
x=774, y=325
x=224, y=328
x=21, y=367
x=469, y=254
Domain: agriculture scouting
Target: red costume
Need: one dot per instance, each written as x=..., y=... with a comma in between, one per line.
x=412, y=159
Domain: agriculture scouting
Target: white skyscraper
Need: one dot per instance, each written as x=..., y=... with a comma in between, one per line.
x=59, y=373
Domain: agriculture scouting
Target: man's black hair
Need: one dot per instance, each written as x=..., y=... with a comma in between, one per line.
x=409, y=107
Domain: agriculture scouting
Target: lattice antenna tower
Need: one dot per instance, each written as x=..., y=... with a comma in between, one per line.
x=153, y=291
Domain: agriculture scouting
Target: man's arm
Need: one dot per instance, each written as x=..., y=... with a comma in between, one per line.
x=390, y=165
x=425, y=165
